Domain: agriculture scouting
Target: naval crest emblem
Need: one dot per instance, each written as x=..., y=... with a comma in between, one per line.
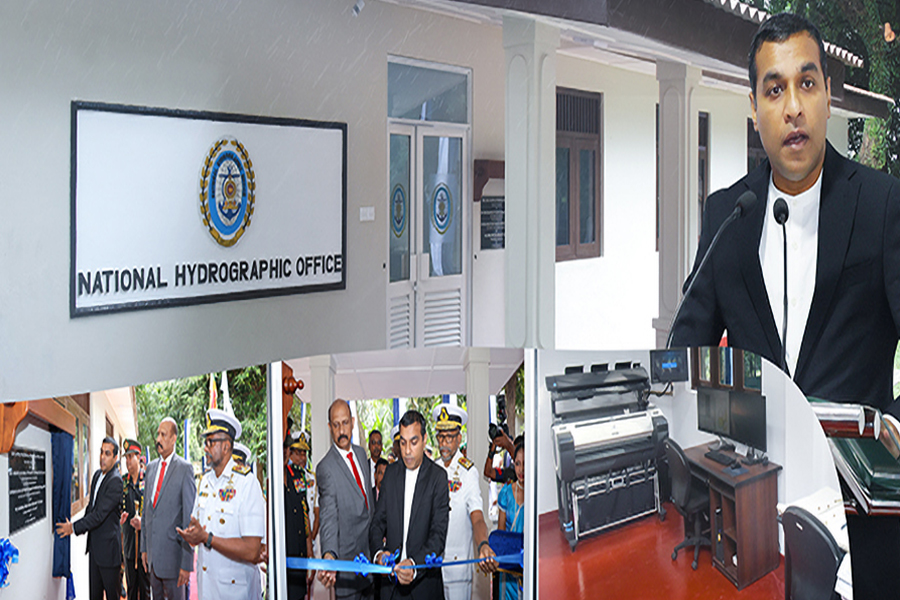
x=441, y=207
x=227, y=191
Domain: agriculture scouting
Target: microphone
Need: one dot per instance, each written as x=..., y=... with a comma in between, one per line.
x=780, y=211
x=743, y=206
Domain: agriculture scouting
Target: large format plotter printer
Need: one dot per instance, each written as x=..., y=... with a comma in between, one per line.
x=607, y=441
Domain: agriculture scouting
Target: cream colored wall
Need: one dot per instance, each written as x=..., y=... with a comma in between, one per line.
x=607, y=302
x=35, y=542
x=310, y=60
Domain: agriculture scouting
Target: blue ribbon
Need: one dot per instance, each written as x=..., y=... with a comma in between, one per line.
x=361, y=565
x=343, y=566
x=8, y=553
x=361, y=559
x=433, y=561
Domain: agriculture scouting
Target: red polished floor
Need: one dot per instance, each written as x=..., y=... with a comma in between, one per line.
x=635, y=561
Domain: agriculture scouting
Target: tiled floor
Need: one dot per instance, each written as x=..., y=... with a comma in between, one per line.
x=635, y=561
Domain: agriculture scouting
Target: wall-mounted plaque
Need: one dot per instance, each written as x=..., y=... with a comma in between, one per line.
x=27, y=487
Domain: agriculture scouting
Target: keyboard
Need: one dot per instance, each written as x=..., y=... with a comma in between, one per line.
x=719, y=457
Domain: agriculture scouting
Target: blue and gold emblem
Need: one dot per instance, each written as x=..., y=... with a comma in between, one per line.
x=227, y=191
x=441, y=207
x=398, y=210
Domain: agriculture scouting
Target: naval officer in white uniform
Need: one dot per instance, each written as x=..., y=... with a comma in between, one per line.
x=467, y=530
x=229, y=518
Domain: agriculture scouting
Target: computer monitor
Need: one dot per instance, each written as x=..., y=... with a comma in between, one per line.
x=670, y=365
x=748, y=419
x=713, y=412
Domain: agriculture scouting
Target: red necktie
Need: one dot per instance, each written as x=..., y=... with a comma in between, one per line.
x=162, y=471
x=358, y=480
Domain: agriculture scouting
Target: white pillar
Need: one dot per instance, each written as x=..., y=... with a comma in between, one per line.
x=321, y=394
x=478, y=398
x=277, y=585
x=530, y=181
x=532, y=386
x=678, y=186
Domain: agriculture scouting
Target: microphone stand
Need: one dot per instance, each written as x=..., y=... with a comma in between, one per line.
x=743, y=205
x=780, y=211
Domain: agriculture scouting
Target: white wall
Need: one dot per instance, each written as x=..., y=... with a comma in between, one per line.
x=280, y=58
x=102, y=409
x=794, y=438
x=488, y=293
x=608, y=302
x=30, y=578
x=837, y=133
x=728, y=114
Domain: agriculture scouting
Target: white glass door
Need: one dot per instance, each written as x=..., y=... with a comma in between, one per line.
x=443, y=236
x=428, y=236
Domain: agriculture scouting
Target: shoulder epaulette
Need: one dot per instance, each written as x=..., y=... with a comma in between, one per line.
x=466, y=463
x=242, y=469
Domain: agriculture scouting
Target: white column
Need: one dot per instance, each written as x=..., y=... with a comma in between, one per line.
x=277, y=585
x=478, y=396
x=321, y=394
x=678, y=186
x=532, y=583
x=530, y=181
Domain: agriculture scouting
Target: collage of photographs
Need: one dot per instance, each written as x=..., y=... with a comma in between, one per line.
x=450, y=300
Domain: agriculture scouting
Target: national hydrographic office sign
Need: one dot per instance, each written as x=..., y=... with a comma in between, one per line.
x=172, y=207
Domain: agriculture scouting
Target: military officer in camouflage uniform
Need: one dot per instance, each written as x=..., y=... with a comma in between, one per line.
x=228, y=522
x=133, y=503
x=467, y=530
x=298, y=534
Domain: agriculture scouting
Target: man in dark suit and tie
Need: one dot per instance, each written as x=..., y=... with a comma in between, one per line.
x=843, y=239
x=345, y=504
x=411, y=516
x=169, y=492
x=101, y=522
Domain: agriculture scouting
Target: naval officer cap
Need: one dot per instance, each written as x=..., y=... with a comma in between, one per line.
x=240, y=452
x=395, y=433
x=131, y=447
x=298, y=441
x=219, y=420
x=448, y=416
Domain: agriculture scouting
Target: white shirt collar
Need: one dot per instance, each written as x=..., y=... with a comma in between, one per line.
x=802, y=232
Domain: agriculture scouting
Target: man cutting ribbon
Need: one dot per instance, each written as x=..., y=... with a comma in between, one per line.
x=412, y=514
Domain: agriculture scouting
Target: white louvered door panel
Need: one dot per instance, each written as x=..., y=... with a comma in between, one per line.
x=400, y=322
x=442, y=318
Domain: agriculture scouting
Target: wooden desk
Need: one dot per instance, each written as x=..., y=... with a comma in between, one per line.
x=747, y=547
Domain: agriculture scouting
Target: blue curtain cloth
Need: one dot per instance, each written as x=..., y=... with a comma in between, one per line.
x=62, y=448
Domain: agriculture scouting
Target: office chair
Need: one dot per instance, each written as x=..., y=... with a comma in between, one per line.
x=811, y=557
x=691, y=499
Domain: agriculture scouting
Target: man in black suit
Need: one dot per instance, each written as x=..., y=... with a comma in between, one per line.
x=101, y=522
x=844, y=244
x=411, y=516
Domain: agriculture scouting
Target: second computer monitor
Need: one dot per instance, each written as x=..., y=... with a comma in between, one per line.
x=738, y=416
x=748, y=419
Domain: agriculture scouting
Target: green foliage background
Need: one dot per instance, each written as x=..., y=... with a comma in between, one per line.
x=379, y=414
x=858, y=26
x=189, y=398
